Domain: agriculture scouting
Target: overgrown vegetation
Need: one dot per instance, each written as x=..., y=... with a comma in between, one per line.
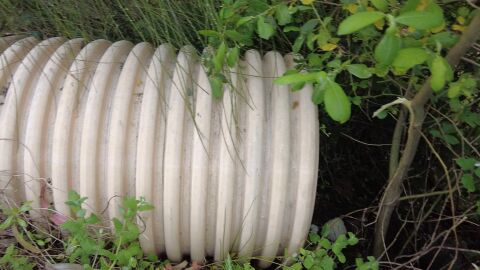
x=407, y=181
x=86, y=241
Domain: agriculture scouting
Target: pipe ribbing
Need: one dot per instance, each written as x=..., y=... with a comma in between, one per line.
x=235, y=175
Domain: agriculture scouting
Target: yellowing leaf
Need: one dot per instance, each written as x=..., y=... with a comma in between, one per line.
x=461, y=20
x=328, y=47
x=459, y=28
x=422, y=5
x=380, y=24
x=438, y=29
x=429, y=18
x=307, y=2
x=352, y=8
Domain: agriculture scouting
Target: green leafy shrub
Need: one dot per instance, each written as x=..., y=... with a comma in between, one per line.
x=324, y=254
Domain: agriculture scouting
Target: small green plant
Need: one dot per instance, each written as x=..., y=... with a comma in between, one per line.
x=13, y=260
x=323, y=254
x=90, y=246
x=471, y=172
x=17, y=223
x=230, y=264
x=83, y=242
x=127, y=247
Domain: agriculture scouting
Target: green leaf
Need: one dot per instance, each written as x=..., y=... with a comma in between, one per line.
x=466, y=164
x=145, y=207
x=468, y=182
x=318, y=95
x=297, y=45
x=308, y=262
x=431, y=17
x=81, y=213
x=314, y=238
x=337, y=103
x=447, y=39
x=219, y=57
x=352, y=239
x=381, y=5
x=439, y=69
x=324, y=243
x=7, y=223
x=22, y=223
x=297, y=78
x=327, y=263
x=257, y=7
x=450, y=139
x=117, y=224
x=408, y=58
x=295, y=266
x=358, y=21
x=359, y=70
x=356, y=100
x=238, y=37
x=309, y=26
x=244, y=20
x=454, y=90
x=282, y=14
x=228, y=263
x=387, y=49
x=264, y=28
x=310, y=41
x=337, y=248
x=410, y=5
x=325, y=230
x=291, y=28
x=232, y=57
x=216, y=82
x=209, y=33
x=92, y=219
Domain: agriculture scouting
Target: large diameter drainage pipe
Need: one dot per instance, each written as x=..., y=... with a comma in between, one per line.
x=231, y=175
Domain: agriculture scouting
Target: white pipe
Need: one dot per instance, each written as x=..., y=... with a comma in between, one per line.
x=67, y=130
x=14, y=115
x=40, y=121
x=235, y=175
x=151, y=139
x=10, y=60
x=95, y=125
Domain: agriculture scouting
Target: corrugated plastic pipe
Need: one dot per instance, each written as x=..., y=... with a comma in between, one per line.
x=231, y=175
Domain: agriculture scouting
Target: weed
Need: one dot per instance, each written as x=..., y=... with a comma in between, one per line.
x=11, y=259
x=86, y=240
x=324, y=254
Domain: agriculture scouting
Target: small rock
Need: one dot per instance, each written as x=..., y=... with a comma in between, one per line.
x=336, y=228
x=64, y=266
